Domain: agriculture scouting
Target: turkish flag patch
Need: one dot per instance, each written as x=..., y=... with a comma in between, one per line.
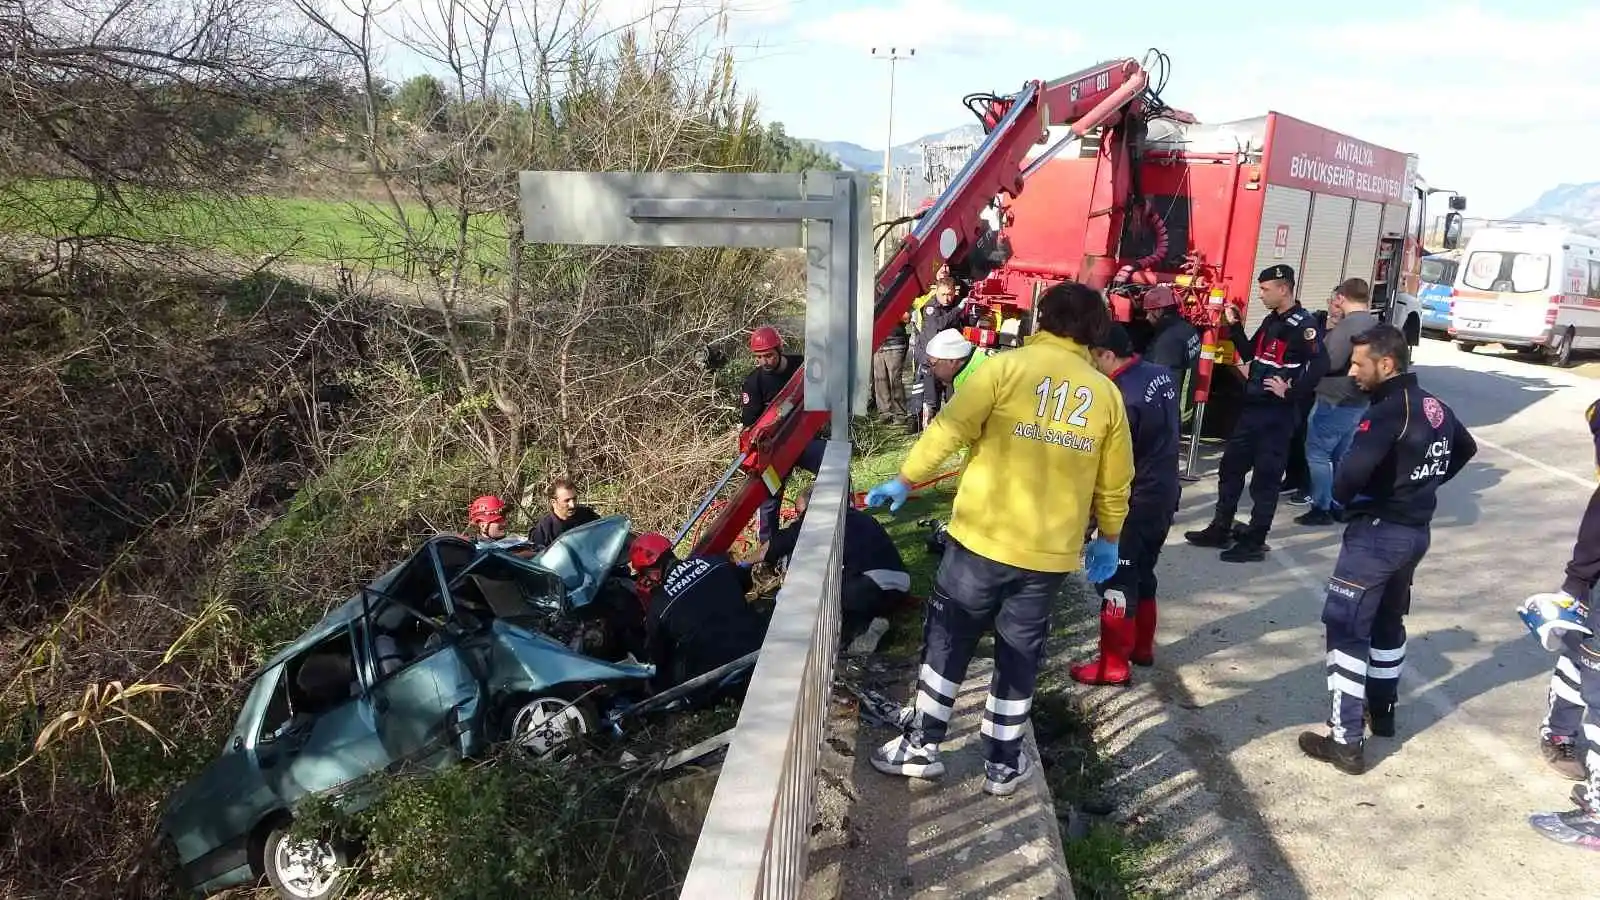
x=1366, y=425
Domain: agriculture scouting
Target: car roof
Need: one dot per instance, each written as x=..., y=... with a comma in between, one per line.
x=352, y=609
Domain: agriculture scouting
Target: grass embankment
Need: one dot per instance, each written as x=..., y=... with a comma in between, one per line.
x=302, y=229
x=1106, y=860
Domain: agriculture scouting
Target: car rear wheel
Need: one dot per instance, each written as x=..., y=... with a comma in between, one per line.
x=305, y=869
x=551, y=726
x=1466, y=346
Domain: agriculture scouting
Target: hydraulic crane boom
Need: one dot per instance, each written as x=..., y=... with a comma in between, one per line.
x=1102, y=95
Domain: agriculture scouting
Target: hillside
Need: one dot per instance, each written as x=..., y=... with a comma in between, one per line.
x=1577, y=205
x=909, y=154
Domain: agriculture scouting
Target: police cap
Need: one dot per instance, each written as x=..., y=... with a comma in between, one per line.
x=1279, y=272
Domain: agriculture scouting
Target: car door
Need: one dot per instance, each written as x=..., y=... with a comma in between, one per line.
x=427, y=706
x=331, y=742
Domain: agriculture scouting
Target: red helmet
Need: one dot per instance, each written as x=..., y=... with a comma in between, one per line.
x=1159, y=297
x=765, y=338
x=648, y=549
x=486, y=510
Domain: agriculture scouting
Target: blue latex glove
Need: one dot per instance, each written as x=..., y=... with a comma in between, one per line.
x=894, y=490
x=1099, y=560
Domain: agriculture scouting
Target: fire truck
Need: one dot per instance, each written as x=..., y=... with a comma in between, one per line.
x=1147, y=195
x=1153, y=196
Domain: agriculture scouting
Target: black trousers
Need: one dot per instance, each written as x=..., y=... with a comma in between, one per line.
x=1138, y=548
x=1259, y=446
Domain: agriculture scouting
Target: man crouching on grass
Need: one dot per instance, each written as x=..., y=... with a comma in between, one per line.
x=1049, y=444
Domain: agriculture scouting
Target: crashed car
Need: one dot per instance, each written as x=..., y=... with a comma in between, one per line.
x=442, y=656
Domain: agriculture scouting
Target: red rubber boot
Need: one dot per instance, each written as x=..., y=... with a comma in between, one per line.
x=1144, y=634
x=1111, y=666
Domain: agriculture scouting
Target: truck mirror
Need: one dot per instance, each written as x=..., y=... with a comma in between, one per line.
x=1458, y=202
x=1452, y=230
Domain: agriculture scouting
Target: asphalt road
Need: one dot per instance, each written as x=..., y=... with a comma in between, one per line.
x=1205, y=742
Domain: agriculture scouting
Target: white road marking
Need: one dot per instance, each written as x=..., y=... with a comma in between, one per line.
x=1542, y=466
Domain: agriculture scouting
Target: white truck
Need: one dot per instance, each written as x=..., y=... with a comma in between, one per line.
x=1529, y=287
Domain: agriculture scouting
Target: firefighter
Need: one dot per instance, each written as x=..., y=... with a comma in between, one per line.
x=941, y=313
x=696, y=615
x=565, y=514
x=1339, y=402
x=875, y=576
x=487, y=516
x=1406, y=446
x=952, y=359
x=1128, y=598
x=1042, y=409
x=1174, y=342
x=1283, y=364
x=1573, y=680
x=773, y=370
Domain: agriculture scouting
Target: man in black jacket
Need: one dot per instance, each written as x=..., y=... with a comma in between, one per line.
x=1284, y=362
x=773, y=370
x=1558, y=733
x=566, y=513
x=942, y=312
x=697, y=617
x=875, y=576
x=1406, y=446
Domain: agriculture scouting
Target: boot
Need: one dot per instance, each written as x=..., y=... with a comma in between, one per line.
x=1111, y=666
x=1347, y=758
x=1218, y=534
x=1144, y=636
x=1561, y=753
x=1247, y=547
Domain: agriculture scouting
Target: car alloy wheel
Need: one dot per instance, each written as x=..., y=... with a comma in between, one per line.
x=546, y=724
x=303, y=869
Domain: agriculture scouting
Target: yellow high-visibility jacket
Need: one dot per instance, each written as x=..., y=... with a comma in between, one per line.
x=1049, y=443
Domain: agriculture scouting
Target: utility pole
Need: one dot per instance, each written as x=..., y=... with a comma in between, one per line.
x=893, y=55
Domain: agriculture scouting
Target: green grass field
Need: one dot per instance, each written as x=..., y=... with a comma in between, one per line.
x=303, y=229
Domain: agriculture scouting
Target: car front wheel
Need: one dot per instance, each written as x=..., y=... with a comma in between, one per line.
x=551, y=725
x=305, y=869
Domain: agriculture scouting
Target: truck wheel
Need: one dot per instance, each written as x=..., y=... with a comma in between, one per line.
x=1413, y=330
x=1466, y=346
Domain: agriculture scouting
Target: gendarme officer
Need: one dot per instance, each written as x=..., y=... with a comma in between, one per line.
x=1282, y=365
x=1408, y=445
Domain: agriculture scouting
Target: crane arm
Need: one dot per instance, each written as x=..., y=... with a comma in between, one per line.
x=944, y=233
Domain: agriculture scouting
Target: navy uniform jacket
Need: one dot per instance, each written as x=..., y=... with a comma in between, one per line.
x=699, y=620
x=1150, y=394
x=1176, y=344
x=867, y=546
x=1407, y=445
x=1583, y=569
x=1288, y=345
x=760, y=386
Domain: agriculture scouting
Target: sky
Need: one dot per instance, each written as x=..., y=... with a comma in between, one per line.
x=1500, y=106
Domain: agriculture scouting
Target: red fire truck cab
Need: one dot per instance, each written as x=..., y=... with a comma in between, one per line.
x=1211, y=206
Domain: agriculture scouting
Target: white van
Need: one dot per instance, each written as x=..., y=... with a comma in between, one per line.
x=1529, y=287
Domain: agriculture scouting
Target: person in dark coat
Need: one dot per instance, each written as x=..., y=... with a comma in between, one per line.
x=565, y=514
x=875, y=576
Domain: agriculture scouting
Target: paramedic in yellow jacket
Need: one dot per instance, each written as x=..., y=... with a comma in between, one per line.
x=1048, y=446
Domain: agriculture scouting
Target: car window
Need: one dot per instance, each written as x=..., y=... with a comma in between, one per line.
x=398, y=637
x=278, y=709
x=1496, y=270
x=323, y=677
x=1433, y=271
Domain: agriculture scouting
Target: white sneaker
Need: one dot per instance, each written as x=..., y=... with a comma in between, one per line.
x=1003, y=781
x=901, y=757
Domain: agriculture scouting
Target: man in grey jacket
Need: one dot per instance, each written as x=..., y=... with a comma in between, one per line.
x=1339, y=403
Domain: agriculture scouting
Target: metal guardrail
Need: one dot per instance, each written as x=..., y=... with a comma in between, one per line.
x=755, y=839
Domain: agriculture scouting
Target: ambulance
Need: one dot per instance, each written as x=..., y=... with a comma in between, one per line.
x=1530, y=287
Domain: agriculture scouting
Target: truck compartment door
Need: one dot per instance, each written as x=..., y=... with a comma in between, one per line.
x=1284, y=212
x=1326, y=242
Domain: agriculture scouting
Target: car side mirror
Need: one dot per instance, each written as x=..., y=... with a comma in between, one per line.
x=1452, y=230
x=238, y=743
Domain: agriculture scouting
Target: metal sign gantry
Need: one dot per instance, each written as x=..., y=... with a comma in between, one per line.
x=828, y=214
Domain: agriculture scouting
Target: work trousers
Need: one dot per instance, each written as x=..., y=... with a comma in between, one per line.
x=1296, y=471
x=1144, y=533
x=810, y=460
x=1574, y=695
x=971, y=596
x=860, y=601
x=1259, y=445
x=1368, y=597
x=888, y=381
x=1329, y=430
